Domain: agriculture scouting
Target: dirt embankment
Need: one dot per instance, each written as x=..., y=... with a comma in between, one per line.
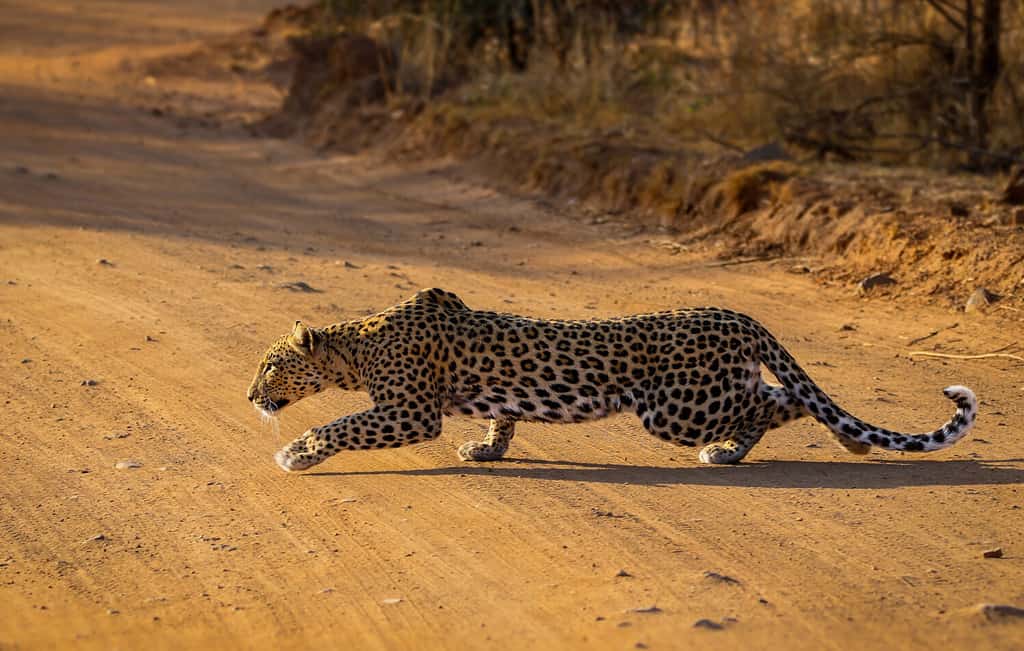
x=940, y=236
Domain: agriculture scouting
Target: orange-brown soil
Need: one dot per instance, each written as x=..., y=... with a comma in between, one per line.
x=146, y=356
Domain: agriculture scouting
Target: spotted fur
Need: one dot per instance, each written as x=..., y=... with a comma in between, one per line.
x=693, y=376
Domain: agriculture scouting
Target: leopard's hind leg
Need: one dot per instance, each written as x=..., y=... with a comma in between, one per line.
x=494, y=445
x=773, y=408
x=787, y=409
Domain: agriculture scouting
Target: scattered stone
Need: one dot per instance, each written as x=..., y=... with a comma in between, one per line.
x=992, y=553
x=708, y=624
x=768, y=152
x=652, y=609
x=119, y=435
x=720, y=578
x=1013, y=192
x=27, y=360
x=847, y=327
x=812, y=445
x=997, y=612
x=349, y=265
x=103, y=262
x=347, y=500
x=113, y=611
x=150, y=338
x=981, y=299
x=300, y=286
x=90, y=383
x=622, y=573
x=236, y=266
x=97, y=538
x=265, y=267
x=875, y=280
x=392, y=600
x=326, y=590
x=128, y=464
x=957, y=209
x=799, y=269
x=639, y=645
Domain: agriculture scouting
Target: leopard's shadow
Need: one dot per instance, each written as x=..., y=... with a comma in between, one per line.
x=757, y=474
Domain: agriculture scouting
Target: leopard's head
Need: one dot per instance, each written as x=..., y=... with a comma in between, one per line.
x=291, y=369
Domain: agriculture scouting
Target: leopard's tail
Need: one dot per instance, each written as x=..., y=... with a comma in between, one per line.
x=852, y=432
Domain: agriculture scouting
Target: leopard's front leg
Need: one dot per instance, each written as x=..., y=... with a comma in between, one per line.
x=384, y=426
x=494, y=445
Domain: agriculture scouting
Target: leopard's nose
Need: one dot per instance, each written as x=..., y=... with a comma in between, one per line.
x=250, y=394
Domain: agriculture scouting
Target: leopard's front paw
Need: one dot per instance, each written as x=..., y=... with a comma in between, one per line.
x=298, y=455
x=721, y=454
x=480, y=451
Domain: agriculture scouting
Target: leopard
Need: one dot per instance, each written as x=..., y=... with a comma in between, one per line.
x=693, y=376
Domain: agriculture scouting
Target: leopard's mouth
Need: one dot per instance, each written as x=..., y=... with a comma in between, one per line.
x=270, y=407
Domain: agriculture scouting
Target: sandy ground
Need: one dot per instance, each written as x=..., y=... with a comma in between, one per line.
x=209, y=543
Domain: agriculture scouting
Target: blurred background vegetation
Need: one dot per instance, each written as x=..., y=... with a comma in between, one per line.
x=919, y=82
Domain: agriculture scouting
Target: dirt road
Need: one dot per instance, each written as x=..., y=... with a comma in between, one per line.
x=143, y=260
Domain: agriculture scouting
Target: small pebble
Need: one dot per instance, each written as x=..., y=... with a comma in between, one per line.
x=708, y=624
x=993, y=553
x=104, y=262
x=876, y=280
x=980, y=299
x=26, y=361
x=622, y=573
x=995, y=612
x=392, y=600
x=126, y=465
x=89, y=383
x=300, y=286
x=646, y=609
x=720, y=578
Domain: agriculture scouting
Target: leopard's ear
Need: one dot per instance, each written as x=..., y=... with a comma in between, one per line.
x=304, y=339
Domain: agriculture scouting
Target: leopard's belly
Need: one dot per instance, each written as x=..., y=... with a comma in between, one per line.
x=539, y=405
